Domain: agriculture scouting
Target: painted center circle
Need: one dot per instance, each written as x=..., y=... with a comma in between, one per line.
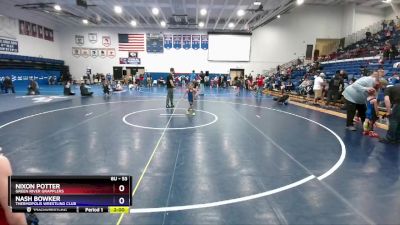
x=169, y=119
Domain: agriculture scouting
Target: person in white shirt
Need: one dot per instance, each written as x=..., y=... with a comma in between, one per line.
x=318, y=87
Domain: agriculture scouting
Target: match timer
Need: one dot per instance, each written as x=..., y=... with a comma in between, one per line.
x=82, y=194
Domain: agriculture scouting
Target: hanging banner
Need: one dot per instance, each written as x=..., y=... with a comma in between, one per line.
x=22, y=27
x=92, y=37
x=103, y=52
x=34, y=30
x=106, y=41
x=154, y=43
x=204, y=42
x=129, y=60
x=186, y=39
x=177, y=41
x=94, y=52
x=8, y=45
x=111, y=52
x=168, y=41
x=85, y=52
x=79, y=39
x=76, y=52
x=40, y=32
x=195, y=42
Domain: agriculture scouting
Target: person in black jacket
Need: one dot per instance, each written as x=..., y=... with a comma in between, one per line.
x=334, y=87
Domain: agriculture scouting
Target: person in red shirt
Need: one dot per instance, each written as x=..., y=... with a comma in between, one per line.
x=6, y=216
x=260, y=85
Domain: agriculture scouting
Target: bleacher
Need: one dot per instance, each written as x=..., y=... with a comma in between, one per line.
x=8, y=58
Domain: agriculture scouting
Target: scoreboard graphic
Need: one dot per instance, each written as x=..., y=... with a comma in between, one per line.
x=75, y=194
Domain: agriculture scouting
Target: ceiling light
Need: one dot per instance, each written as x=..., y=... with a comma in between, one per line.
x=85, y=21
x=278, y=16
x=203, y=12
x=57, y=7
x=231, y=25
x=387, y=1
x=201, y=24
x=241, y=12
x=257, y=3
x=163, y=23
x=133, y=23
x=300, y=2
x=155, y=11
x=117, y=9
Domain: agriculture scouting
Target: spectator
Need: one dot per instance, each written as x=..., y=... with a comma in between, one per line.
x=368, y=35
x=202, y=81
x=334, y=87
x=356, y=95
x=170, y=89
x=392, y=103
x=6, y=216
x=85, y=90
x=8, y=84
x=318, y=87
x=67, y=88
x=33, y=88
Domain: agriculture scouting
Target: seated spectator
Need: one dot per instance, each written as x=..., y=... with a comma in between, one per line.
x=33, y=88
x=118, y=87
x=8, y=84
x=85, y=90
x=368, y=35
x=67, y=88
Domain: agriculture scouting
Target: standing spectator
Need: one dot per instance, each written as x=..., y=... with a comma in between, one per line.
x=356, y=95
x=192, y=77
x=392, y=103
x=170, y=89
x=202, y=81
x=334, y=86
x=6, y=216
x=318, y=87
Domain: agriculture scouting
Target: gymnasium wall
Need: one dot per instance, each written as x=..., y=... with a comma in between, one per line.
x=184, y=61
x=28, y=45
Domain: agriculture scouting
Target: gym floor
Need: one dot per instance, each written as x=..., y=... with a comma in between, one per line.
x=239, y=160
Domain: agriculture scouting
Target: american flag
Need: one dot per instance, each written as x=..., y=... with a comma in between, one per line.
x=131, y=42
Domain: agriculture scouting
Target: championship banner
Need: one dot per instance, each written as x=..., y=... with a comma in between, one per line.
x=22, y=27
x=154, y=43
x=168, y=41
x=111, y=53
x=92, y=38
x=40, y=32
x=8, y=45
x=106, y=41
x=79, y=39
x=51, y=35
x=195, y=42
x=28, y=28
x=129, y=60
x=94, y=53
x=85, y=52
x=186, y=39
x=76, y=52
x=34, y=30
x=204, y=42
x=103, y=53
x=177, y=41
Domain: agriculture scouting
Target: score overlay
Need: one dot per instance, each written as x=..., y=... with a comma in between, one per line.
x=75, y=194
